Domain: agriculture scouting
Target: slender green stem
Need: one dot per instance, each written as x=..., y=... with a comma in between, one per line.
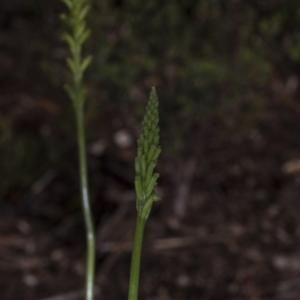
x=136, y=259
x=78, y=10
x=88, y=219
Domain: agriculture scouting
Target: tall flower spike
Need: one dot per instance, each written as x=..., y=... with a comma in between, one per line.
x=75, y=37
x=147, y=155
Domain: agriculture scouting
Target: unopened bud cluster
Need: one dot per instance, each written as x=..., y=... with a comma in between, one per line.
x=147, y=155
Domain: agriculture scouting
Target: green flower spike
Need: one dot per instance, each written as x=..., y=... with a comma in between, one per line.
x=145, y=180
x=147, y=155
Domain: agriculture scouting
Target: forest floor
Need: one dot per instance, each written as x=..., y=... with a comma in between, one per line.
x=238, y=235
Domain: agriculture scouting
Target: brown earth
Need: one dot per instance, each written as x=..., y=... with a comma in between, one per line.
x=236, y=235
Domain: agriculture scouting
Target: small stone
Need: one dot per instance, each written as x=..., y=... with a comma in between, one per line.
x=183, y=280
x=30, y=280
x=123, y=138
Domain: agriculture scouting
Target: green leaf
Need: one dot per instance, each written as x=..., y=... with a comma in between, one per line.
x=69, y=39
x=155, y=197
x=84, y=12
x=71, y=65
x=86, y=62
x=84, y=36
x=80, y=30
x=70, y=92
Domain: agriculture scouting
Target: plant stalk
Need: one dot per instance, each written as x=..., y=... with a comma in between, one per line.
x=77, y=92
x=136, y=259
x=88, y=219
x=145, y=180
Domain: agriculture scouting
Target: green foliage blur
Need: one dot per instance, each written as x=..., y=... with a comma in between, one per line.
x=209, y=58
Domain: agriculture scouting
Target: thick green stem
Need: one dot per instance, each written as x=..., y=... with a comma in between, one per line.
x=136, y=259
x=88, y=219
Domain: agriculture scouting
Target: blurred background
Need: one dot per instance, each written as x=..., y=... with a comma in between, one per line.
x=227, y=75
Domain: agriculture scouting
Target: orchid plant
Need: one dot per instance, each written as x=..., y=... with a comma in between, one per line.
x=147, y=153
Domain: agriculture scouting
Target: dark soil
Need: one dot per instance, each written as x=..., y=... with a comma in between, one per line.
x=238, y=233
